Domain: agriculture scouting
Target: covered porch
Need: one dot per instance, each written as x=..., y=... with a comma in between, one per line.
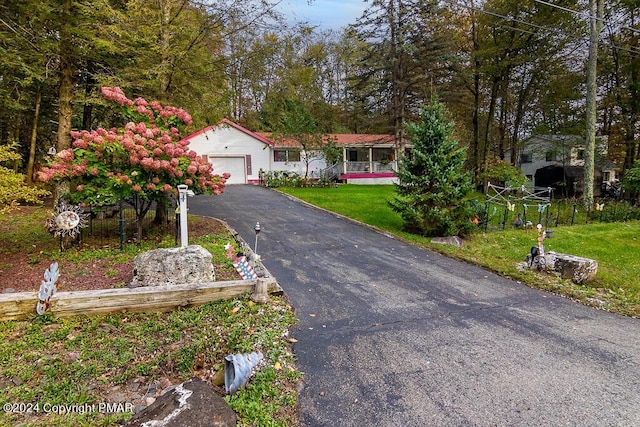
x=364, y=165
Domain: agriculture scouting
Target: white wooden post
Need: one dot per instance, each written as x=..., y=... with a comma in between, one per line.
x=371, y=160
x=344, y=160
x=184, y=238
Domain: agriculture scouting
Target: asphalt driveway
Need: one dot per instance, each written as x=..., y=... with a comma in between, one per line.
x=393, y=335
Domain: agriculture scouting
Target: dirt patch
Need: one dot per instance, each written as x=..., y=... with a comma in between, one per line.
x=22, y=267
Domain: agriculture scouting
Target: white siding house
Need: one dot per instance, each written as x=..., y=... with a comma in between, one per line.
x=242, y=153
x=233, y=149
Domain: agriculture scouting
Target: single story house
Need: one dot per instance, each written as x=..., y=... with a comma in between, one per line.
x=229, y=147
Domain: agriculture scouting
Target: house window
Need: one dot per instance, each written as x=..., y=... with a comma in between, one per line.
x=526, y=158
x=581, y=154
x=286, y=155
x=550, y=156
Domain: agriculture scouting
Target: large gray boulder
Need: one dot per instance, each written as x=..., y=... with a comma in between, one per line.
x=193, y=403
x=173, y=266
x=578, y=269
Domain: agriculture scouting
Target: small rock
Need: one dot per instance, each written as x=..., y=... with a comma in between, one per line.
x=164, y=383
x=151, y=391
x=8, y=291
x=218, y=378
x=133, y=386
x=73, y=355
x=452, y=240
x=117, y=398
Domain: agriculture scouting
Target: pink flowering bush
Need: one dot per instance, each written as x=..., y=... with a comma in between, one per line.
x=143, y=162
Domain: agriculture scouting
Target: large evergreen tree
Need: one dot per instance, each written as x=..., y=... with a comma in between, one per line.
x=432, y=183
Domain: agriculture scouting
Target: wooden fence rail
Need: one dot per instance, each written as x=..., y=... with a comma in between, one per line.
x=21, y=305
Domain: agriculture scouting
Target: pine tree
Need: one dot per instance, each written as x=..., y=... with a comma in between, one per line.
x=432, y=183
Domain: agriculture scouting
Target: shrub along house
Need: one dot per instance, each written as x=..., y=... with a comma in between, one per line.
x=229, y=147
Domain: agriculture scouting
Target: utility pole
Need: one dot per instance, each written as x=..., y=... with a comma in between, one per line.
x=596, y=14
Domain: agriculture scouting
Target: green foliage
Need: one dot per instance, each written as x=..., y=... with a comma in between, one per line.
x=500, y=172
x=331, y=152
x=12, y=185
x=292, y=120
x=79, y=360
x=284, y=179
x=141, y=163
x=433, y=185
x=631, y=180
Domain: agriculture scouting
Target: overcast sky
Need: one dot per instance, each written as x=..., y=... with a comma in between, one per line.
x=333, y=14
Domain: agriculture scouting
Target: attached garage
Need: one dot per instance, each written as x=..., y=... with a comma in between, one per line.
x=233, y=149
x=233, y=165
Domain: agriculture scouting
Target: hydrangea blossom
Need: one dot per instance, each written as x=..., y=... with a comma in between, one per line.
x=144, y=160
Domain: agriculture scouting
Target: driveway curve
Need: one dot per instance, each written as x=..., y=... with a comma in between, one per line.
x=393, y=335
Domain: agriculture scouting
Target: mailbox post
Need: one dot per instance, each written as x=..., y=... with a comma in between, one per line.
x=182, y=192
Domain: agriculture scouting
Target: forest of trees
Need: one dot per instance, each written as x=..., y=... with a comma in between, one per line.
x=506, y=69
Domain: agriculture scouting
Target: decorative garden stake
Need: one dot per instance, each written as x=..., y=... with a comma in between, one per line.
x=600, y=208
x=540, y=240
x=47, y=288
x=238, y=368
x=231, y=251
x=257, y=230
x=66, y=221
x=243, y=267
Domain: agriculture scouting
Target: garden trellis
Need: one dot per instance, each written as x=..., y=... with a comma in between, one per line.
x=523, y=202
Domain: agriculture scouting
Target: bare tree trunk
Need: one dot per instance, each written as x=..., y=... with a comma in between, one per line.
x=596, y=11
x=34, y=136
x=476, y=106
x=65, y=92
x=487, y=130
x=162, y=214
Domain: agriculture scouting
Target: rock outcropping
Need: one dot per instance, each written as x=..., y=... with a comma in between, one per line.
x=580, y=270
x=193, y=403
x=173, y=266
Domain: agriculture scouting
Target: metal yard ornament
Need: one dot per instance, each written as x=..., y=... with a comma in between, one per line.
x=67, y=220
x=47, y=288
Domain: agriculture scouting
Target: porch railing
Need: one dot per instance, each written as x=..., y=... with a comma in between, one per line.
x=332, y=173
x=369, y=167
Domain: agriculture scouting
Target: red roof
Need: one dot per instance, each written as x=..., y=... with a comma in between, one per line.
x=340, y=139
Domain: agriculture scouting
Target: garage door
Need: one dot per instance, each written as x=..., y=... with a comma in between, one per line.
x=233, y=165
